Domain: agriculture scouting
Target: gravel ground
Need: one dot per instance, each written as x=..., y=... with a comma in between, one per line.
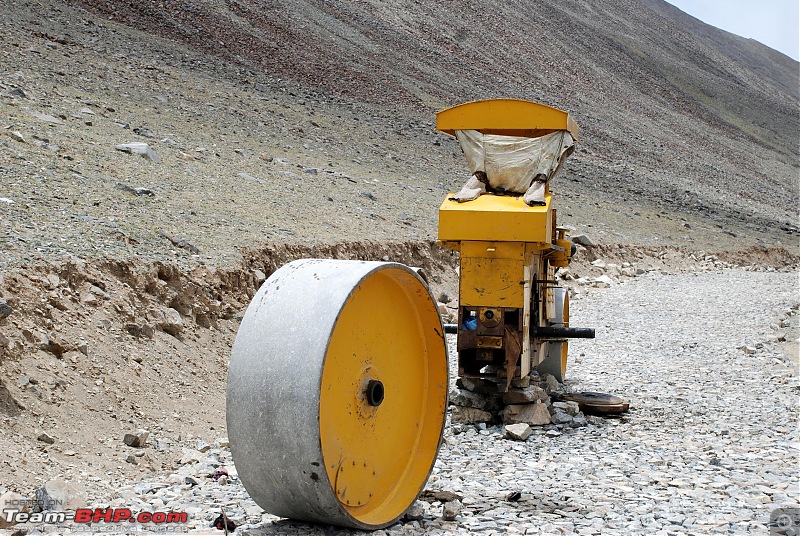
x=709, y=446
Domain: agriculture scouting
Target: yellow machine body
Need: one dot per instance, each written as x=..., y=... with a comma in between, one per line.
x=509, y=252
x=508, y=117
x=495, y=218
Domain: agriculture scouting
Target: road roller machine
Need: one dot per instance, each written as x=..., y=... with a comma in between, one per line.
x=513, y=317
x=338, y=382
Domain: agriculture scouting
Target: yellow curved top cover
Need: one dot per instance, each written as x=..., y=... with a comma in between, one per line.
x=508, y=117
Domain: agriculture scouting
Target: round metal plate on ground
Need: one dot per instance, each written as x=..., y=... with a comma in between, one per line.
x=593, y=403
x=337, y=392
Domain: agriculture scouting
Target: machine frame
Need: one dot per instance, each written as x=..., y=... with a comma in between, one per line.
x=509, y=253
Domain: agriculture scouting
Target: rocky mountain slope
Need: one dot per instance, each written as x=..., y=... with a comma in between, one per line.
x=313, y=122
x=666, y=102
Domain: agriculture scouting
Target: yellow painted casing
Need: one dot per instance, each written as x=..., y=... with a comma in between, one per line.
x=492, y=274
x=560, y=258
x=509, y=117
x=495, y=218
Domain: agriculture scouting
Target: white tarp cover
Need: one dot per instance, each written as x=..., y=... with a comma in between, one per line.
x=511, y=163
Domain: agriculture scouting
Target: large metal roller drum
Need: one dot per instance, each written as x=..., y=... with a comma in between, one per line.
x=555, y=361
x=337, y=392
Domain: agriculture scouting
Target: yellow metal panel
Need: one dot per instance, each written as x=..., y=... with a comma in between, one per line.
x=510, y=117
x=494, y=250
x=355, y=482
x=492, y=274
x=495, y=218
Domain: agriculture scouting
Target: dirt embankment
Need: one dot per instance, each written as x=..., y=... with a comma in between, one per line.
x=93, y=350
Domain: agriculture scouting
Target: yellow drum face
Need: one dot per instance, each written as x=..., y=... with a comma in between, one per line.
x=383, y=396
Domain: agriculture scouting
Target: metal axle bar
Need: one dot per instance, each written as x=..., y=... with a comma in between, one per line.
x=556, y=332
x=547, y=332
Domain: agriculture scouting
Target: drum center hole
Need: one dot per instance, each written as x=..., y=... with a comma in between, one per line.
x=374, y=392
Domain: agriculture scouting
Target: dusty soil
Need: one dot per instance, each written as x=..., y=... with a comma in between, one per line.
x=259, y=165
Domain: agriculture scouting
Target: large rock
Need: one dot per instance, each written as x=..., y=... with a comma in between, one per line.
x=44, y=437
x=560, y=417
x=534, y=414
x=521, y=382
x=5, y=342
x=603, y=281
x=451, y=510
x=549, y=383
x=137, y=438
x=527, y=395
x=59, y=495
x=47, y=118
x=476, y=400
x=464, y=415
x=172, y=322
x=567, y=406
x=520, y=431
x=478, y=385
x=5, y=309
x=583, y=240
x=140, y=149
x=415, y=512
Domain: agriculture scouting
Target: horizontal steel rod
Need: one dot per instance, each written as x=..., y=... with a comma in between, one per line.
x=556, y=332
x=547, y=332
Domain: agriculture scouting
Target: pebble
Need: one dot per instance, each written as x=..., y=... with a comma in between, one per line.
x=5, y=309
x=139, y=148
x=520, y=431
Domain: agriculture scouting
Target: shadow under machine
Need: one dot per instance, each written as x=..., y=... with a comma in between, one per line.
x=338, y=382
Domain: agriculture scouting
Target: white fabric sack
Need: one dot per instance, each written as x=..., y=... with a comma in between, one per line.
x=511, y=163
